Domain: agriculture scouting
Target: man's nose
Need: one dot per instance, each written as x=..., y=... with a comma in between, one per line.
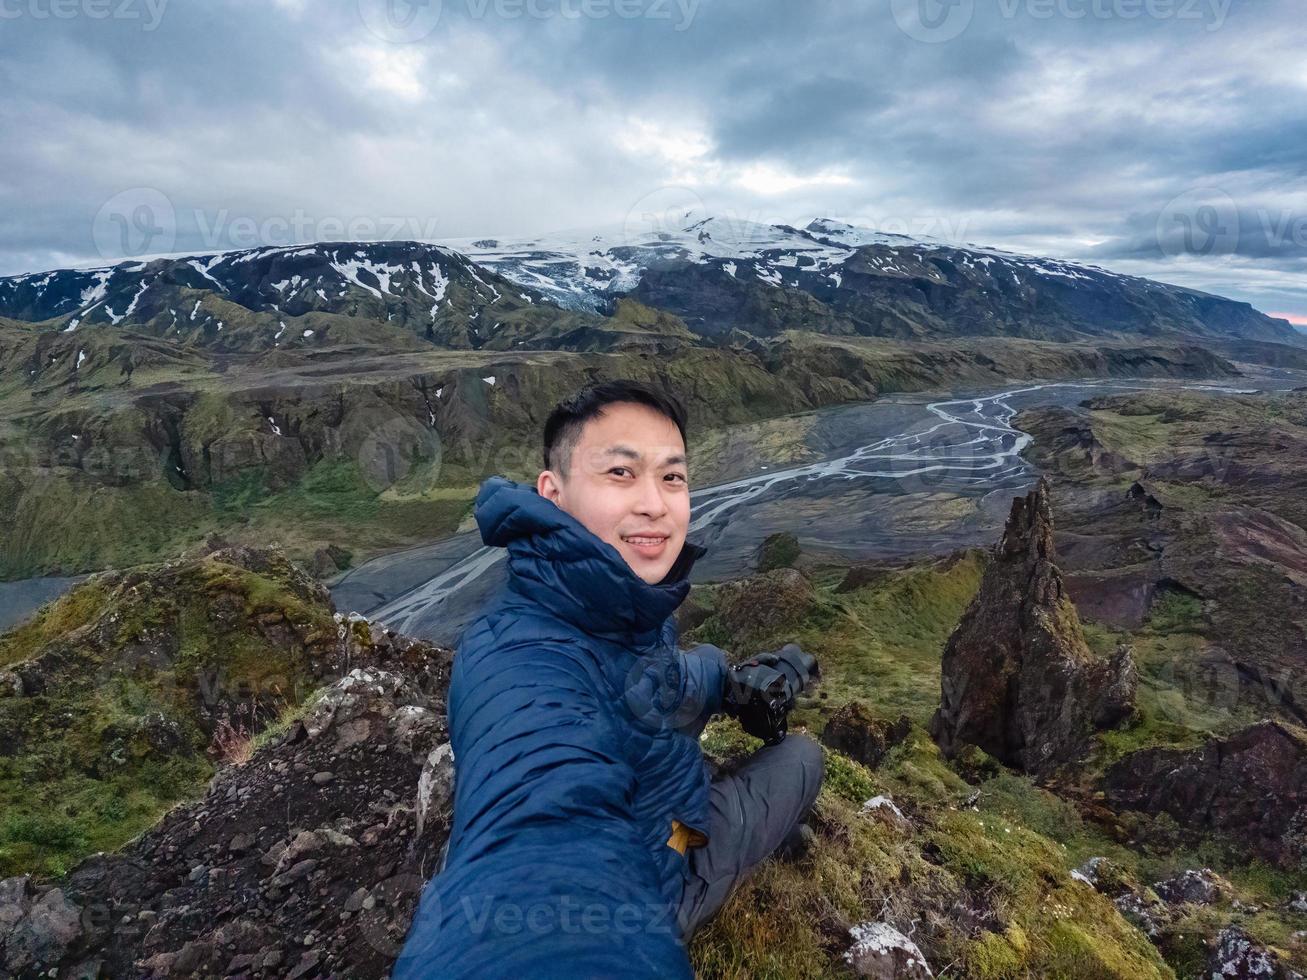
x=651, y=500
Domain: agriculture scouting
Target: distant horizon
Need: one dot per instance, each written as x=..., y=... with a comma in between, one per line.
x=1298, y=321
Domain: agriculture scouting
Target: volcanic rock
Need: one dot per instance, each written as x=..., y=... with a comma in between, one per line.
x=1251, y=785
x=1018, y=679
x=863, y=737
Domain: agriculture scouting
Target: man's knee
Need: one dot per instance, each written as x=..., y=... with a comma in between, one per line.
x=811, y=761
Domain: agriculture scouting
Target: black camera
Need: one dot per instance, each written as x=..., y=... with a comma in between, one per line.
x=760, y=692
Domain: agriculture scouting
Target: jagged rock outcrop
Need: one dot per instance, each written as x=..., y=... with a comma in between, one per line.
x=1251, y=785
x=1018, y=679
x=305, y=861
x=857, y=732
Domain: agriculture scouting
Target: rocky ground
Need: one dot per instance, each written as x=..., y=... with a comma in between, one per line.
x=1181, y=518
x=1096, y=815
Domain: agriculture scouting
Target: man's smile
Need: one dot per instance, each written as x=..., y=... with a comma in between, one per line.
x=648, y=545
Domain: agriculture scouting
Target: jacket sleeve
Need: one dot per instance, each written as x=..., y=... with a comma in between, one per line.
x=704, y=669
x=547, y=874
x=679, y=689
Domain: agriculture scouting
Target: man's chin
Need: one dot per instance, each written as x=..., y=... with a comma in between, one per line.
x=651, y=570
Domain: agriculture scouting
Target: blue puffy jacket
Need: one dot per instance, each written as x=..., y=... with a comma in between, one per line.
x=574, y=722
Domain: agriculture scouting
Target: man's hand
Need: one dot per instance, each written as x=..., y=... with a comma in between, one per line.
x=798, y=667
x=760, y=691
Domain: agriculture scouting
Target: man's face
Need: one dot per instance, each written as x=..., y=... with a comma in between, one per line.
x=628, y=484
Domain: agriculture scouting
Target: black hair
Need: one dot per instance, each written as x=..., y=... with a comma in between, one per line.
x=565, y=422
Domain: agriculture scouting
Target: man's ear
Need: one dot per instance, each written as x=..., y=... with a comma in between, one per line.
x=549, y=486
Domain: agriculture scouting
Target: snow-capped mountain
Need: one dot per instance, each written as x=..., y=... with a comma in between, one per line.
x=426, y=288
x=722, y=275
x=586, y=269
x=723, y=278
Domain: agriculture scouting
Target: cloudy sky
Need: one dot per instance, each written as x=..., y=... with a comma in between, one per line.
x=1159, y=137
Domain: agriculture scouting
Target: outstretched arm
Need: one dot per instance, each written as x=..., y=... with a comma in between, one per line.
x=681, y=689
x=547, y=875
x=705, y=682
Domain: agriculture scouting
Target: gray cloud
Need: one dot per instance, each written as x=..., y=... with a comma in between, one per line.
x=1101, y=130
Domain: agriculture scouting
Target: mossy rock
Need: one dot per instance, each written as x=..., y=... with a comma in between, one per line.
x=126, y=682
x=778, y=551
x=755, y=610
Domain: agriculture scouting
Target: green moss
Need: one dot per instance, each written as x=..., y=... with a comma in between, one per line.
x=115, y=739
x=985, y=898
x=1174, y=610
x=884, y=639
x=915, y=769
x=997, y=956
x=1075, y=951
x=847, y=779
x=778, y=551
x=54, y=620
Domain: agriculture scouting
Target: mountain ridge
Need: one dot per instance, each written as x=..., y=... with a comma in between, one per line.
x=719, y=276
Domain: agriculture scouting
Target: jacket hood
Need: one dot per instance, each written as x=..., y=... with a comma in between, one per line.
x=558, y=562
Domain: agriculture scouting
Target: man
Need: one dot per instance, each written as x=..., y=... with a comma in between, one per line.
x=587, y=840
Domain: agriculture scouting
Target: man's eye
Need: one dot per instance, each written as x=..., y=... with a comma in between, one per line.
x=620, y=470
x=676, y=477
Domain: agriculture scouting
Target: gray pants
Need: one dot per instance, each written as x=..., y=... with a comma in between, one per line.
x=752, y=811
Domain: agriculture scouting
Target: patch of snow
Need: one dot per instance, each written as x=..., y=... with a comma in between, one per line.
x=490, y=380
x=203, y=268
x=81, y=356
x=95, y=292
x=132, y=305
x=308, y=333
x=350, y=269
x=273, y=422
